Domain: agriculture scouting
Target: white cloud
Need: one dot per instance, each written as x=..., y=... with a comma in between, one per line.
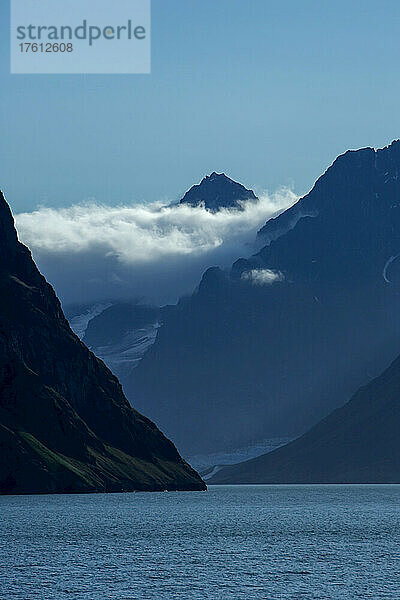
x=90, y=250
x=143, y=232
x=262, y=276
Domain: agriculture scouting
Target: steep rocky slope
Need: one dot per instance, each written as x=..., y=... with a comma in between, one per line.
x=65, y=425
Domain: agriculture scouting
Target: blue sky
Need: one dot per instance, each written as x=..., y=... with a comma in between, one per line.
x=268, y=91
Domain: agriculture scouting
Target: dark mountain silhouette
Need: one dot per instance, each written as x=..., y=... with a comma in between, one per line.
x=65, y=425
x=358, y=443
x=218, y=191
x=274, y=345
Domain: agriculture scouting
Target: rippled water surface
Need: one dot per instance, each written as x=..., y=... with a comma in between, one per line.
x=247, y=542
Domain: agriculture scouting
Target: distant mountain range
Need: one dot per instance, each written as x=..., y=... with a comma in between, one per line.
x=65, y=425
x=262, y=353
x=272, y=346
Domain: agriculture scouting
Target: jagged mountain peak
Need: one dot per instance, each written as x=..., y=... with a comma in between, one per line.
x=380, y=159
x=357, y=184
x=217, y=191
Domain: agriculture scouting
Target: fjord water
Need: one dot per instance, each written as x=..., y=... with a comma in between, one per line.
x=239, y=542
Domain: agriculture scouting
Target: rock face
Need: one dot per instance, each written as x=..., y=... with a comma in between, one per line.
x=65, y=425
x=358, y=443
x=271, y=347
x=218, y=191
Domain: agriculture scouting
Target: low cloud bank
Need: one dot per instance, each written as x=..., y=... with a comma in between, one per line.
x=262, y=276
x=155, y=252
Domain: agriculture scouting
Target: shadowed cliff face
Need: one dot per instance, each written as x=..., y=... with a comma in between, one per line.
x=65, y=425
x=274, y=345
x=358, y=443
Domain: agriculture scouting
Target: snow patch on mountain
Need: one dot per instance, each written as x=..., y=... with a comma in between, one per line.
x=386, y=267
x=209, y=464
x=80, y=322
x=126, y=354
